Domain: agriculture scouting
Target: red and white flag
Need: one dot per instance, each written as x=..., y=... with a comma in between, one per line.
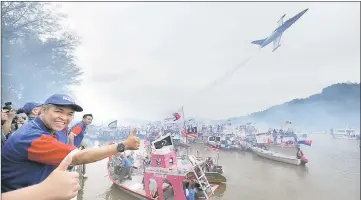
x=175, y=117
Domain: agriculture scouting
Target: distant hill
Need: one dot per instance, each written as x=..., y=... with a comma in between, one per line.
x=335, y=107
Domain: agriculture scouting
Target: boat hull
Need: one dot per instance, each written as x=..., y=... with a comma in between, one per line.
x=277, y=157
x=136, y=194
x=346, y=137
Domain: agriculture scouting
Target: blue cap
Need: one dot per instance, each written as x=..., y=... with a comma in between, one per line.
x=63, y=100
x=30, y=106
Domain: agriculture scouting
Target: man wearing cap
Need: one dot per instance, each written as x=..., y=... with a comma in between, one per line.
x=31, y=109
x=34, y=151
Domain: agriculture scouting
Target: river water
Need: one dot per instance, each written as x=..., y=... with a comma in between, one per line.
x=333, y=173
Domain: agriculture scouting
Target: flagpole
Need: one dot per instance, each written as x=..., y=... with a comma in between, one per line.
x=184, y=128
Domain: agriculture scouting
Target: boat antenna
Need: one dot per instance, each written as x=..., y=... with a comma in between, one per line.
x=184, y=128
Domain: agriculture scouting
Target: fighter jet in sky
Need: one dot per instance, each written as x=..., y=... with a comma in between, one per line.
x=276, y=35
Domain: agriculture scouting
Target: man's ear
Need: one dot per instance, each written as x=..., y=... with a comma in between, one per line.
x=43, y=109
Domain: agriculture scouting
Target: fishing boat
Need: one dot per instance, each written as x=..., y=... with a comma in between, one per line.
x=164, y=178
x=214, y=142
x=293, y=160
x=212, y=170
x=347, y=133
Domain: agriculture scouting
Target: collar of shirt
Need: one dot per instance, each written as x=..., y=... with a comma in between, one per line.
x=40, y=124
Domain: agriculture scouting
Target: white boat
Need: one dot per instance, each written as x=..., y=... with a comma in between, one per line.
x=348, y=134
x=214, y=141
x=293, y=160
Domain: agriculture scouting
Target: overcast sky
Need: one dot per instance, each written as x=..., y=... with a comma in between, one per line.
x=143, y=60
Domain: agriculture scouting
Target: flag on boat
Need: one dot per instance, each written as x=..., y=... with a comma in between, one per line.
x=175, y=117
x=165, y=141
x=191, y=132
x=305, y=142
x=213, y=148
x=113, y=124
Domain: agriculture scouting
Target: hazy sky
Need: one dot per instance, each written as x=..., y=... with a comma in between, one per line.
x=144, y=60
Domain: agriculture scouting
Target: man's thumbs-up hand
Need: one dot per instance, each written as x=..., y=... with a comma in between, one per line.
x=132, y=142
x=61, y=184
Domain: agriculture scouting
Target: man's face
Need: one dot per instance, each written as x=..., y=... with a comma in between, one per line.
x=55, y=117
x=35, y=111
x=20, y=120
x=4, y=114
x=88, y=120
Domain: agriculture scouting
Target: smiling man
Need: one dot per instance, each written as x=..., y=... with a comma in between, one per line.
x=76, y=133
x=35, y=149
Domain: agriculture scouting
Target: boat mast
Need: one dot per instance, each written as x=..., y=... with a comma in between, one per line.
x=184, y=128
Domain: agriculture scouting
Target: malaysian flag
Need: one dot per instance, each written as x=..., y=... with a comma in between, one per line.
x=305, y=142
x=191, y=132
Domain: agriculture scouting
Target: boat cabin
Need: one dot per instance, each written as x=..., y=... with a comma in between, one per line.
x=214, y=139
x=164, y=170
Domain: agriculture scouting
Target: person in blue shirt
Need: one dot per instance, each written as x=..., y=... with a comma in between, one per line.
x=77, y=132
x=127, y=165
x=67, y=186
x=192, y=193
x=34, y=150
x=32, y=109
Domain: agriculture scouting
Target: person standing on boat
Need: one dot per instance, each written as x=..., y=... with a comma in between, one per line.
x=34, y=151
x=299, y=153
x=190, y=191
x=126, y=168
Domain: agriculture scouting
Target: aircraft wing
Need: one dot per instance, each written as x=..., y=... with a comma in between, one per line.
x=276, y=42
x=280, y=21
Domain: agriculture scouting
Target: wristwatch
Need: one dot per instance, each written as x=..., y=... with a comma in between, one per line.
x=121, y=147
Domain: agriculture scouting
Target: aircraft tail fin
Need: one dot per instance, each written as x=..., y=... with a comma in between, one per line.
x=258, y=42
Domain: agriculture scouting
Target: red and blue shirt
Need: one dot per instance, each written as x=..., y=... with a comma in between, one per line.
x=79, y=131
x=31, y=154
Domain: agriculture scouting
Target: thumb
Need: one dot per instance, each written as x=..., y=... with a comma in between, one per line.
x=63, y=166
x=133, y=133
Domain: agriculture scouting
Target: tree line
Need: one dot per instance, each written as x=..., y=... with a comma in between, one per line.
x=37, y=53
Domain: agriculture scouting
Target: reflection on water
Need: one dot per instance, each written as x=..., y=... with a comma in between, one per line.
x=333, y=173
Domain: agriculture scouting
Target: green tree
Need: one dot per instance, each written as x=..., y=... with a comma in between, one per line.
x=37, y=59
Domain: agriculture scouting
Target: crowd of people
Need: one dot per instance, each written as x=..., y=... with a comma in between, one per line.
x=38, y=149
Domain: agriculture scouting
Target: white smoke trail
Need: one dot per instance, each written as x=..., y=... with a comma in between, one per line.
x=228, y=74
